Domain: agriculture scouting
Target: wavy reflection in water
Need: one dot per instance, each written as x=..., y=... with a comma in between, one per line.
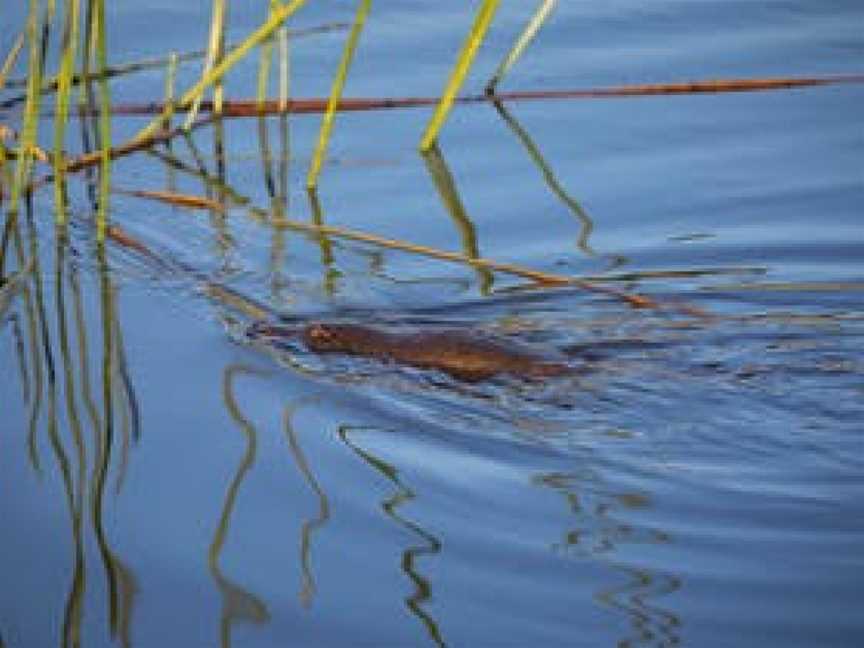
x=599, y=535
x=307, y=589
x=237, y=603
x=431, y=545
x=652, y=625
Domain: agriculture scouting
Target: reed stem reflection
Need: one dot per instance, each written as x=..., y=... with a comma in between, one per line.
x=599, y=537
x=449, y=194
x=237, y=603
x=78, y=486
x=431, y=545
x=266, y=157
x=106, y=436
x=23, y=373
x=331, y=272
x=74, y=601
x=276, y=185
x=93, y=414
x=37, y=330
x=130, y=422
x=307, y=589
x=586, y=222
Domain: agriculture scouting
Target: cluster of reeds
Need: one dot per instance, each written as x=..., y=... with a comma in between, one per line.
x=89, y=58
x=82, y=73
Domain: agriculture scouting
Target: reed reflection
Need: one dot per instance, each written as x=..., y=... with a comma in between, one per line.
x=54, y=384
x=74, y=601
x=430, y=546
x=585, y=221
x=30, y=311
x=276, y=184
x=238, y=605
x=599, y=535
x=10, y=288
x=331, y=272
x=266, y=157
x=130, y=421
x=449, y=194
x=121, y=582
x=307, y=589
x=224, y=240
x=18, y=344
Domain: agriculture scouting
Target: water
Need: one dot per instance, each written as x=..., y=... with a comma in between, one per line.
x=697, y=483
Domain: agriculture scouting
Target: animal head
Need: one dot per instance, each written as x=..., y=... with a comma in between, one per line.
x=321, y=336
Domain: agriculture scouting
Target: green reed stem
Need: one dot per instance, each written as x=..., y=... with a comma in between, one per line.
x=104, y=123
x=31, y=112
x=11, y=57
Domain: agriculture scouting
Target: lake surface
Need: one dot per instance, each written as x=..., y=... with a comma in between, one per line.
x=698, y=481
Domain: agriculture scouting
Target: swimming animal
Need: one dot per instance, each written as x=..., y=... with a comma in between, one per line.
x=461, y=354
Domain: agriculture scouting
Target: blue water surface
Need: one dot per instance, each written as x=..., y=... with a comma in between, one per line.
x=697, y=482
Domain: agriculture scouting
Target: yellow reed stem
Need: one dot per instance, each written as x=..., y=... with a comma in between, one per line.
x=336, y=93
x=10, y=59
x=230, y=60
x=460, y=71
x=104, y=123
x=64, y=89
x=31, y=113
